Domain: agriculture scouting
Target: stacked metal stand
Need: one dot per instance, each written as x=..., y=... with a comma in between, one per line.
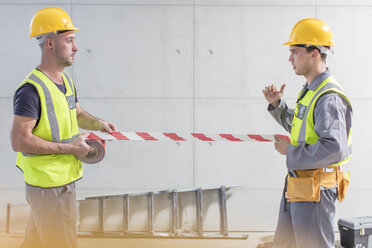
x=175, y=218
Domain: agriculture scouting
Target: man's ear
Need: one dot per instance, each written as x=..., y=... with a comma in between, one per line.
x=315, y=53
x=49, y=43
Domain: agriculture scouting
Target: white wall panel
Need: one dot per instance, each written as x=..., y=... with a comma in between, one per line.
x=134, y=51
x=254, y=209
x=142, y=165
x=356, y=204
x=142, y=115
x=255, y=2
x=18, y=52
x=349, y=3
x=351, y=63
x=240, y=163
x=238, y=47
x=247, y=163
x=134, y=2
x=359, y=164
x=236, y=116
x=31, y=2
x=10, y=176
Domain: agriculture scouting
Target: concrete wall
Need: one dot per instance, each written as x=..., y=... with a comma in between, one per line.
x=192, y=66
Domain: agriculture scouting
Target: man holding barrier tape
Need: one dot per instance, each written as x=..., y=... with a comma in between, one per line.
x=320, y=127
x=45, y=133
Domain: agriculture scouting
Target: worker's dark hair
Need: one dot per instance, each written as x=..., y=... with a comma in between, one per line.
x=62, y=31
x=311, y=48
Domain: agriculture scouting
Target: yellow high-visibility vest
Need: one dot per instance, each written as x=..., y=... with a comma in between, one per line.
x=303, y=120
x=58, y=123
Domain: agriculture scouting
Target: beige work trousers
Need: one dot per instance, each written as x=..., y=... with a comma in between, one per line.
x=52, y=220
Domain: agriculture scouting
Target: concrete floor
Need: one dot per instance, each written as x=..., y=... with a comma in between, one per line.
x=254, y=238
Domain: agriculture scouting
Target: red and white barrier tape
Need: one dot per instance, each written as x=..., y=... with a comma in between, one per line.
x=149, y=136
x=97, y=140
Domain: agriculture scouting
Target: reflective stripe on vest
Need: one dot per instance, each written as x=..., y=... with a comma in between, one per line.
x=50, y=110
x=303, y=122
x=57, y=123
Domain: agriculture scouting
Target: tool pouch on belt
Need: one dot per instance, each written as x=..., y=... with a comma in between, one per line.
x=342, y=185
x=305, y=187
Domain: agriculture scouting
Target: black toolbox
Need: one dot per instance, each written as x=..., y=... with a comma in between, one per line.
x=356, y=232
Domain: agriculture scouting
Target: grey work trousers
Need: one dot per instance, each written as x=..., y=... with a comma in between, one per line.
x=52, y=220
x=307, y=224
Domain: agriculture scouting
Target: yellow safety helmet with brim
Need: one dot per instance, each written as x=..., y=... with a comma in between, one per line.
x=311, y=31
x=51, y=19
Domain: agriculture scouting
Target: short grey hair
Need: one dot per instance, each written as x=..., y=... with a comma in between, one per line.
x=324, y=49
x=41, y=38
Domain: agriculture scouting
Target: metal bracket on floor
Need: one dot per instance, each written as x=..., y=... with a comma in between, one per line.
x=174, y=210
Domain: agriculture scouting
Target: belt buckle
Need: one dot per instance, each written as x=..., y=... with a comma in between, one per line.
x=326, y=169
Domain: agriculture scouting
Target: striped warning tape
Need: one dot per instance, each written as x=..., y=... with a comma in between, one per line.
x=97, y=140
x=150, y=136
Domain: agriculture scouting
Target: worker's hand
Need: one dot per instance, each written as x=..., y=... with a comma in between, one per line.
x=107, y=127
x=272, y=95
x=80, y=148
x=281, y=144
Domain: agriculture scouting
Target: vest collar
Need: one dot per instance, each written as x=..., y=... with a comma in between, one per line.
x=318, y=80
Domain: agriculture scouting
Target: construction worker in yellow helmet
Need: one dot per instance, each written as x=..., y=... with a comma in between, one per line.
x=45, y=133
x=320, y=129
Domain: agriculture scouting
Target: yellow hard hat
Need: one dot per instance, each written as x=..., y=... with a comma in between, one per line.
x=51, y=19
x=311, y=31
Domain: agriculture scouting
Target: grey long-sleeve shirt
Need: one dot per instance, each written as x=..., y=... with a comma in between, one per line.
x=332, y=122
